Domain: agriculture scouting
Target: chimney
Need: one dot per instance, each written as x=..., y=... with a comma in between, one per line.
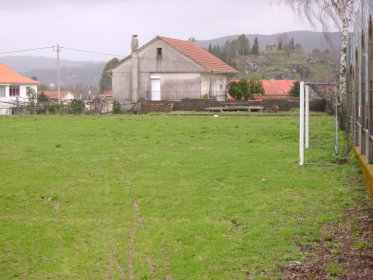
x=135, y=68
x=134, y=43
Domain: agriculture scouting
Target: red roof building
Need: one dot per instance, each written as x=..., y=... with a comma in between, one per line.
x=8, y=76
x=277, y=87
x=170, y=69
x=200, y=55
x=65, y=95
x=14, y=89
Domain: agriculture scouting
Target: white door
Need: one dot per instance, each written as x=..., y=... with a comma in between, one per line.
x=156, y=89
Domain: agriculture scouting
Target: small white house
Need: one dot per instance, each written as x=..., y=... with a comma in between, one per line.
x=13, y=89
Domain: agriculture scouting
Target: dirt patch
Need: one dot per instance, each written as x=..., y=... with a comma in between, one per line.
x=345, y=250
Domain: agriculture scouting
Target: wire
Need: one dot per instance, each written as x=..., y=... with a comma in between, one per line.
x=28, y=50
x=93, y=52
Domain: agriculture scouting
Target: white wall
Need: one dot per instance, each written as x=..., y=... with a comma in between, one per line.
x=7, y=102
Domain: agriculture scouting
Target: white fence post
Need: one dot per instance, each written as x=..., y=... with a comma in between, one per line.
x=301, y=124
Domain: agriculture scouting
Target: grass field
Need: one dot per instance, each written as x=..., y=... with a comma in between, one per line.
x=159, y=197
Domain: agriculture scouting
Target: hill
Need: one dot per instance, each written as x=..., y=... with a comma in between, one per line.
x=318, y=66
x=73, y=73
x=307, y=39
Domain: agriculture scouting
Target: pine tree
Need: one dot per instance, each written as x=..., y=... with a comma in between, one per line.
x=243, y=45
x=255, y=48
x=295, y=89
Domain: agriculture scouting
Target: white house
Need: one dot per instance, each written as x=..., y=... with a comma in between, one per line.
x=13, y=89
x=65, y=96
x=170, y=69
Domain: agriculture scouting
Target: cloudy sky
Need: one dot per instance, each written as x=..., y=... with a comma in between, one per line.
x=107, y=25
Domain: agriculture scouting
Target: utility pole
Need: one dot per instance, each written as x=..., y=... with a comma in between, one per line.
x=57, y=49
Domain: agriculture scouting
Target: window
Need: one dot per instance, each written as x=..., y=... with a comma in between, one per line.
x=14, y=91
x=159, y=53
x=2, y=91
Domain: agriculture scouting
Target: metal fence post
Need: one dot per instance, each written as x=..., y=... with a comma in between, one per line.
x=370, y=93
x=301, y=124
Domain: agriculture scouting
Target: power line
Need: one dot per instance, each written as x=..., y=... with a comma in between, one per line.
x=27, y=50
x=92, y=52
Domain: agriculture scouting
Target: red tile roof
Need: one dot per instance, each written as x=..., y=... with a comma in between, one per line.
x=8, y=76
x=200, y=55
x=277, y=87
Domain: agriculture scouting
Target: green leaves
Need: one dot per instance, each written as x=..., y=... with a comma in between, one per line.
x=245, y=89
x=105, y=81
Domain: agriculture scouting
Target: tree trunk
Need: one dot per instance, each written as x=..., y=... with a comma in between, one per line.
x=343, y=61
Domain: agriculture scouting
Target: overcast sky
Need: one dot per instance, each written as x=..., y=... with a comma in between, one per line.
x=107, y=25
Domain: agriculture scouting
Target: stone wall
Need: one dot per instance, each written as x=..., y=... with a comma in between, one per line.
x=156, y=106
x=195, y=104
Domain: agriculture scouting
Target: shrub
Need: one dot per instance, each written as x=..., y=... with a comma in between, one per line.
x=244, y=89
x=294, y=91
x=116, y=107
x=76, y=106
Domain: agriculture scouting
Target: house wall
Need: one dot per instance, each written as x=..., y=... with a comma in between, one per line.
x=176, y=86
x=178, y=73
x=7, y=102
x=218, y=84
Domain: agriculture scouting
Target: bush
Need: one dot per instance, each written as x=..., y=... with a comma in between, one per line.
x=240, y=90
x=256, y=87
x=116, y=107
x=76, y=106
x=244, y=89
x=295, y=89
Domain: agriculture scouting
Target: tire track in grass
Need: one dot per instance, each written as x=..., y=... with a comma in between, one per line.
x=151, y=267
x=141, y=224
x=167, y=264
x=131, y=250
x=109, y=270
x=121, y=271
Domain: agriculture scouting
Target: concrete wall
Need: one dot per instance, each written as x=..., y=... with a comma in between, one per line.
x=218, y=83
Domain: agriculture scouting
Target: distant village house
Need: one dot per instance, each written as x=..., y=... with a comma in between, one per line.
x=65, y=96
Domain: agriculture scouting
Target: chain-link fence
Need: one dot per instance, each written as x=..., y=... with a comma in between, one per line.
x=359, y=80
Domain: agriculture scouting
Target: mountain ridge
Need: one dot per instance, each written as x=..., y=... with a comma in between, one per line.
x=309, y=40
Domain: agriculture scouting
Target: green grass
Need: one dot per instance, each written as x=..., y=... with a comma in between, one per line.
x=186, y=197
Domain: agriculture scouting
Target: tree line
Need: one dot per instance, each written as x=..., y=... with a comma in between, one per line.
x=231, y=48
